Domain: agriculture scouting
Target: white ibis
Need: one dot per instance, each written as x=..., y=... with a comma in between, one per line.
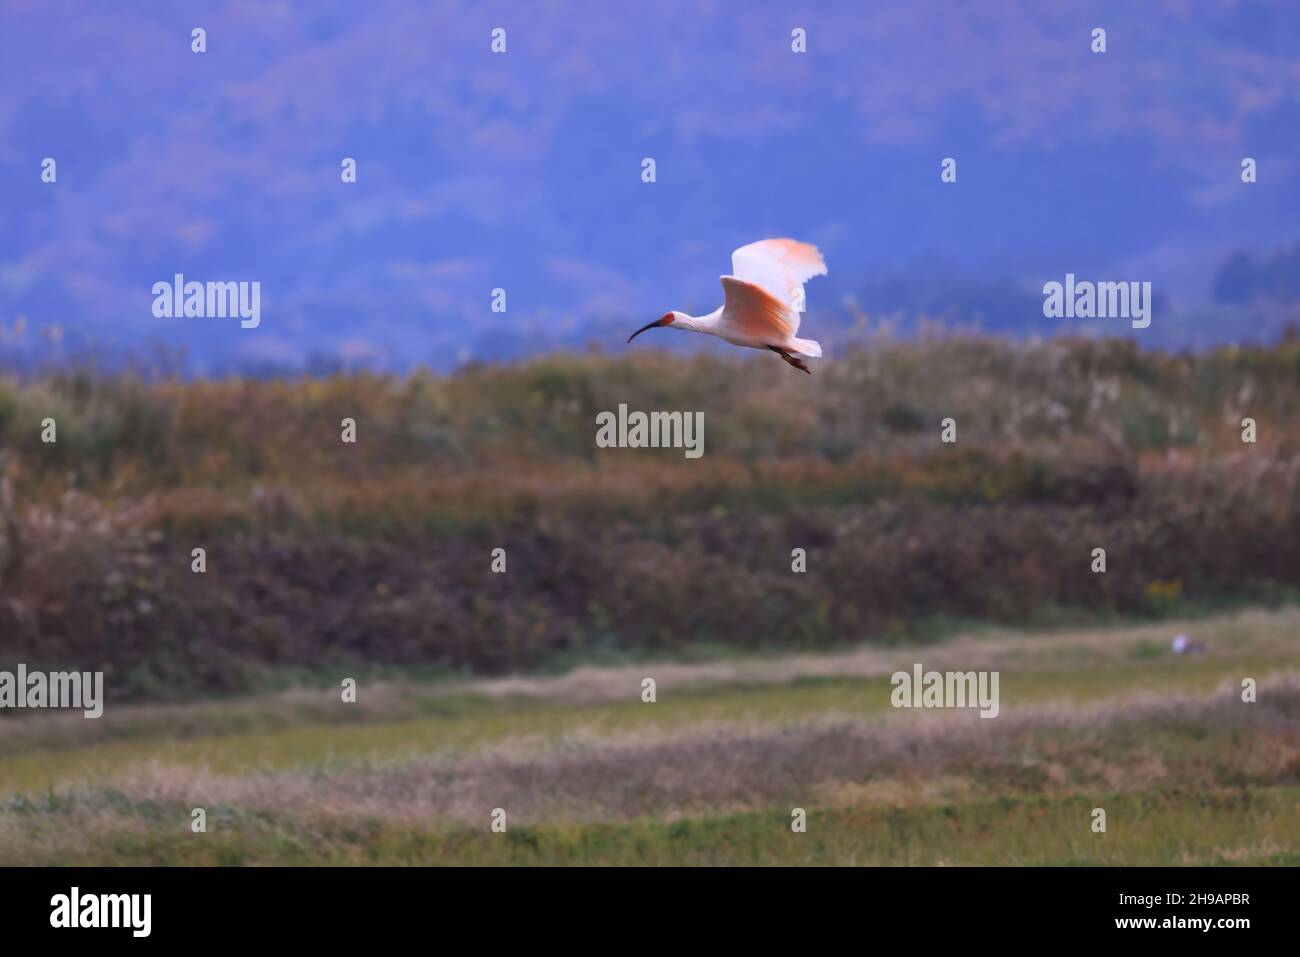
x=761, y=302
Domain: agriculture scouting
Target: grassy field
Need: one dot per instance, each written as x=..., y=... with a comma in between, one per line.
x=519, y=688
x=710, y=772
x=376, y=555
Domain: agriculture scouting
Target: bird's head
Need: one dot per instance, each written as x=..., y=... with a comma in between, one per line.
x=667, y=319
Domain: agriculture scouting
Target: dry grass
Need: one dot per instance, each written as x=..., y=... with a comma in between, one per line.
x=1178, y=754
x=1266, y=638
x=372, y=561
x=1155, y=743
x=572, y=772
x=324, y=556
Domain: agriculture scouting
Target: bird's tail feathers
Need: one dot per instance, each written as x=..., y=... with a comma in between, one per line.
x=806, y=347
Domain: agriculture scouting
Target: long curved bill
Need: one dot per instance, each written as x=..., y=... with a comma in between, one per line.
x=662, y=321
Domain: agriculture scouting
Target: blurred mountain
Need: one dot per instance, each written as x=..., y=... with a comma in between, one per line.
x=1270, y=278
x=522, y=171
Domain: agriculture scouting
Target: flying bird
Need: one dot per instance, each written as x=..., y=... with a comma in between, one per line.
x=761, y=302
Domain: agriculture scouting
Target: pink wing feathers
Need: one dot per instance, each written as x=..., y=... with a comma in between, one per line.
x=780, y=266
x=755, y=313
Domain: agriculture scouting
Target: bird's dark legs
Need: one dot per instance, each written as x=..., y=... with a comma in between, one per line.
x=792, y=360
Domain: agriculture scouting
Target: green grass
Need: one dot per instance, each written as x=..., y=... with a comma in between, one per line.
x=467, y=723
x=1231, y=828
x=707, y=774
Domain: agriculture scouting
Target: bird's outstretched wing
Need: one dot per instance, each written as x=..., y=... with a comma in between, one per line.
x=756, y=314
x=781, y=266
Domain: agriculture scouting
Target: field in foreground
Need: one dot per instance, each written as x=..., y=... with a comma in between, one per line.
x=709, y=773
